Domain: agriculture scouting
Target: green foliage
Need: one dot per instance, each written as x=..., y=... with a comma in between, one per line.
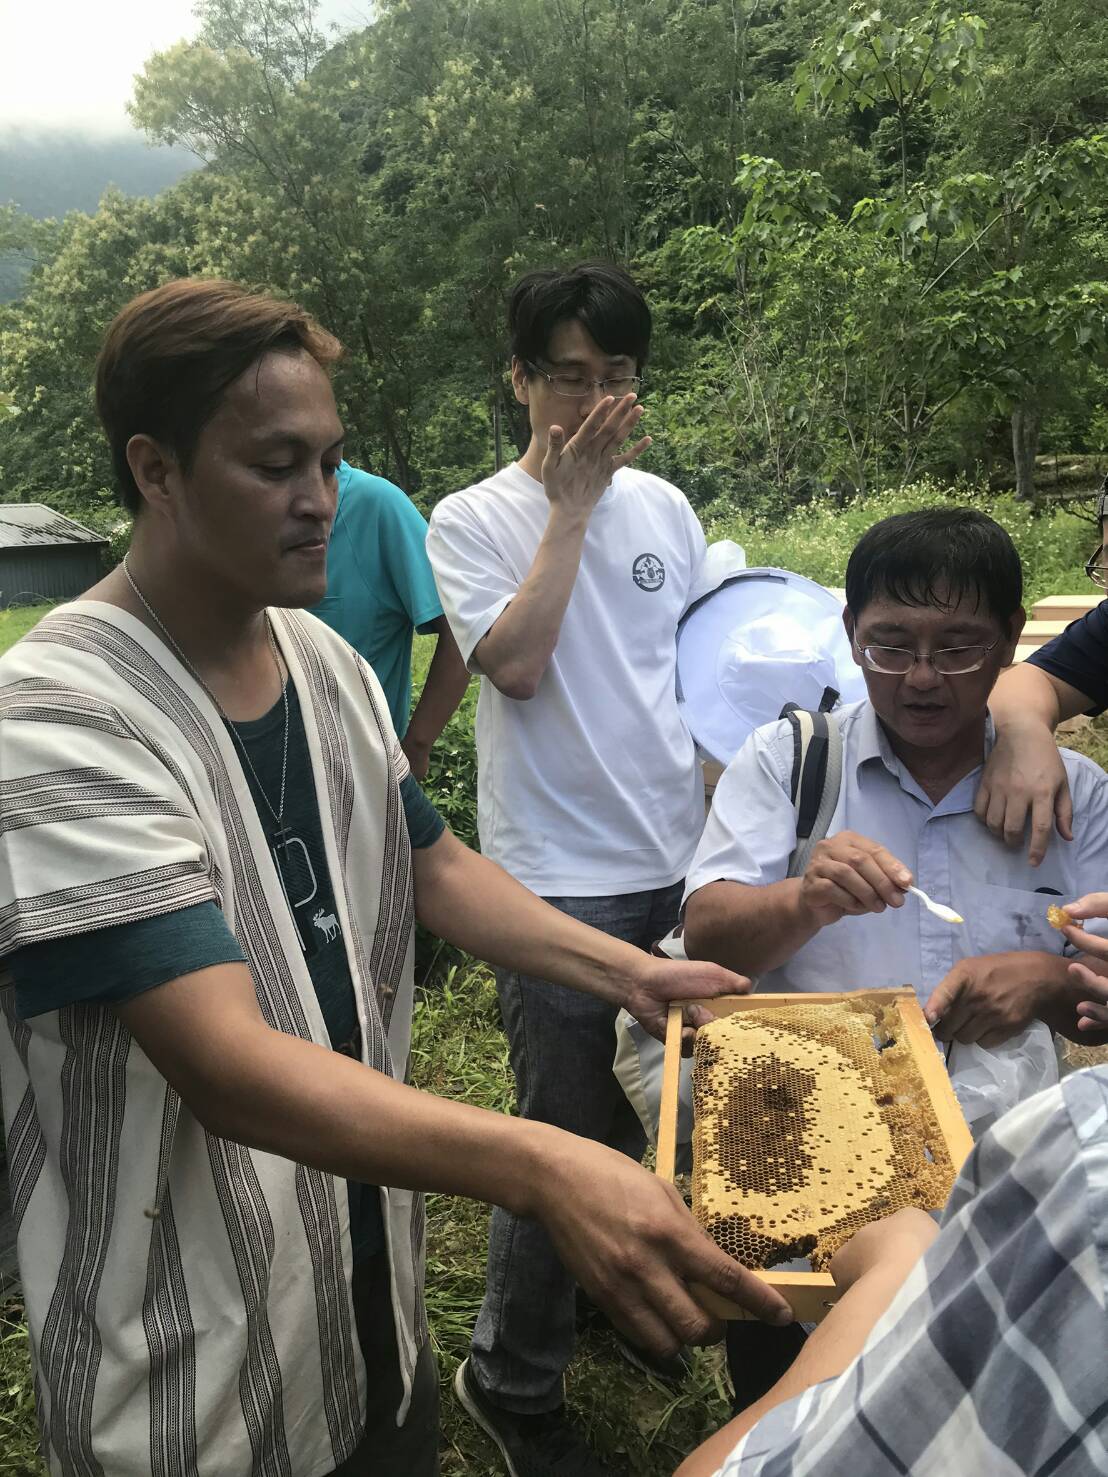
x=850, y=339
x=816, y=540
x=452, y=773
x=872, y=59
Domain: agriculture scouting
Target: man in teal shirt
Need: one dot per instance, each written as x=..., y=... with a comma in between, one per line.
x=380, y=591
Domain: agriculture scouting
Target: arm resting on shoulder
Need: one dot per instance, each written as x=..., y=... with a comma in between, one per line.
x=1024, y=776
x=1026, y=694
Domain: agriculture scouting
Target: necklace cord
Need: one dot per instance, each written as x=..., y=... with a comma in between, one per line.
x=278, y=814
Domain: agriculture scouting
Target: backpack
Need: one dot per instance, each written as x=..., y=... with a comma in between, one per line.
x=814, y=789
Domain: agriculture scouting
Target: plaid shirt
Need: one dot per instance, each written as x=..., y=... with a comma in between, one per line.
x=993, y=1359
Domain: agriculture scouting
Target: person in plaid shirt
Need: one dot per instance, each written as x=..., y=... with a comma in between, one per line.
x=983, y=1355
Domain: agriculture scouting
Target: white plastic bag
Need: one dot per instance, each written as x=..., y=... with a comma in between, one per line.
x=988, y=1082
x=638, y=1070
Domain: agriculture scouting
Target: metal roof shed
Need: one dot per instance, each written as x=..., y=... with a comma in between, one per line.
x=45, y=556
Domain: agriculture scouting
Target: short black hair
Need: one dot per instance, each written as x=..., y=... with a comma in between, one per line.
x=936, y=557
x=603, y=297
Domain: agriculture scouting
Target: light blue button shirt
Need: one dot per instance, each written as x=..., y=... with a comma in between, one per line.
x=751, y=834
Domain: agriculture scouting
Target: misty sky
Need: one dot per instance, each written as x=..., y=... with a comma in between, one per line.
x=70, y=63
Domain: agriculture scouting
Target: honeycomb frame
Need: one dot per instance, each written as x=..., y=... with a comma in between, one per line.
x=888, y=1095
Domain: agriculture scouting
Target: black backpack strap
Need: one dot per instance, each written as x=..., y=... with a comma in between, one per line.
x=810, y=744
x=815, y=780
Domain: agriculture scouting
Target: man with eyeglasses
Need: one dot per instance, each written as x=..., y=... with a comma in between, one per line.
x=563, y=578
x=933, y=613
x=1025, y=792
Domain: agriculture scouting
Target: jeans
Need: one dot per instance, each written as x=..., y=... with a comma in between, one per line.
x=386, y=1449
x=561, y=1044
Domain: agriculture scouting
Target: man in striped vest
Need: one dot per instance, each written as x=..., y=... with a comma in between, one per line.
x=211, y=858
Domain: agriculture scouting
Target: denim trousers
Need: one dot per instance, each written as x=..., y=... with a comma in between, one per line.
x=561, y=1045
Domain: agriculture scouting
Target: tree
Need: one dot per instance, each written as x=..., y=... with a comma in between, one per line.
x=878, y=324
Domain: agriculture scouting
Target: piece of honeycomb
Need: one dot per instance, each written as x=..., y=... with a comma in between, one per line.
x=810, y=1120
x=1058, y=917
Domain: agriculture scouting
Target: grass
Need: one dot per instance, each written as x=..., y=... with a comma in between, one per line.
x=1090, y=739
x=16, y=623
x=816, y=540
x=18, y=1431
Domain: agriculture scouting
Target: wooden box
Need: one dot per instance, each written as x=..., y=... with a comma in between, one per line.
x=811, y=1294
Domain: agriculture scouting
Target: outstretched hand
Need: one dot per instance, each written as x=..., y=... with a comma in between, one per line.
x=659, y=982
x=576, y=472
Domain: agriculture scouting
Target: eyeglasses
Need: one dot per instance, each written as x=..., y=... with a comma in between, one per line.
x=574, y=386
x=949, y=661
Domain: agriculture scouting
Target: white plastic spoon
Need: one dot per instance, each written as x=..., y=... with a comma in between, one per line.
x=940, y=910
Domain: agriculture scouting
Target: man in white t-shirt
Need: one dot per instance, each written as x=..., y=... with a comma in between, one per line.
x=563, y=578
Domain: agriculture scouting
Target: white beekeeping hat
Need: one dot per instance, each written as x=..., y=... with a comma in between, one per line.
x=752, y=641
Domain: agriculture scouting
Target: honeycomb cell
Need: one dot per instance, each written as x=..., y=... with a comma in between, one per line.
x=810, y=1120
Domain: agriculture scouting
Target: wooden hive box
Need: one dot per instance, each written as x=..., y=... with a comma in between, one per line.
x=812, y=1293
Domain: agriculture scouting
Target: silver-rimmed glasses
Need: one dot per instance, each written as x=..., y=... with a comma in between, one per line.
x=948, y=661
x=574, y=386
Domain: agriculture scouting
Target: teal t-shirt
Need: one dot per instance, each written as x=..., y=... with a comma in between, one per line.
x=380, y=588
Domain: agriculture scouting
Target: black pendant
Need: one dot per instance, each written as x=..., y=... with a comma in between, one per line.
x=294, y=867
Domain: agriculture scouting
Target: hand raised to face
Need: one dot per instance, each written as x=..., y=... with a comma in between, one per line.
x=576, y=472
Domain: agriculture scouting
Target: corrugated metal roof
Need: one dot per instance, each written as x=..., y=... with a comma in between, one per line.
x=35, y=523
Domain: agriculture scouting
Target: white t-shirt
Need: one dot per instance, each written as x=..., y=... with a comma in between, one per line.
x=590, y=788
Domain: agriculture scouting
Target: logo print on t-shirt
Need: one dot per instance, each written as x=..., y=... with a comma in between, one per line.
x=648, y=572
x=327, y=924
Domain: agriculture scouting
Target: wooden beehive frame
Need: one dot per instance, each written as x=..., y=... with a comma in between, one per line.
x=811, y=1294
